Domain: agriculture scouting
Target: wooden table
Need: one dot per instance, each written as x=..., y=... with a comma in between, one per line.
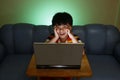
x=84, y=71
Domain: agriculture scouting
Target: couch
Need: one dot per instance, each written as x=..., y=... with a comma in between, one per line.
x=102, y=47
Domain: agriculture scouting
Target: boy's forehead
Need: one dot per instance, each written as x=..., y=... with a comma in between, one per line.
x=63, y=25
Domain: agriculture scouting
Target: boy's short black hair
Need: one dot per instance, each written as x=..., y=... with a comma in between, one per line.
x=62, y=18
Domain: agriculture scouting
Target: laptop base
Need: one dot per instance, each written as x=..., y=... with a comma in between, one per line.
x=58, y=66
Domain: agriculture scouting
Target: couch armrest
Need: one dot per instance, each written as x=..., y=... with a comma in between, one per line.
x=1, y=52
x=117, y=52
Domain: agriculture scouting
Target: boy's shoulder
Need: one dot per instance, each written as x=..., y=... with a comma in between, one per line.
x=77, y=37
x=51, y=36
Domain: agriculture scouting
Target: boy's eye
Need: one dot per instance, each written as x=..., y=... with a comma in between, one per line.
x=62, y=28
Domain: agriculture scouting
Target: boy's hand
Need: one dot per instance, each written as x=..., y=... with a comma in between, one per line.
x=69, y=33
x=56, y=34
x=71, y=36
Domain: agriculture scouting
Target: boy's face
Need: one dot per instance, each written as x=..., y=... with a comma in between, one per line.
x=62, y=30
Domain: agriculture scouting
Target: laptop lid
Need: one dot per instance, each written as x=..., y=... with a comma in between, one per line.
x=54, y=55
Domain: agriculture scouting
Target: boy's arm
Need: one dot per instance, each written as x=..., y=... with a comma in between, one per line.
x=53, y=40
x=74, y=40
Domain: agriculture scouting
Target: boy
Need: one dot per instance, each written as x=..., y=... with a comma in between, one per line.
x=62, y=23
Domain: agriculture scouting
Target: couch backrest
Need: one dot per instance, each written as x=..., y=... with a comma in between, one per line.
x=17, y=38
x=98, y=38
x=6, y=38
x=101, y=39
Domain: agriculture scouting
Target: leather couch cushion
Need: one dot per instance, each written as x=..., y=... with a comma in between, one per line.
x=6, y=37
x=1, y=53
x=14, y=67
x=95, y=39
x=104, y=67
x=22, y=35
x=117, y=52
x=40, y=33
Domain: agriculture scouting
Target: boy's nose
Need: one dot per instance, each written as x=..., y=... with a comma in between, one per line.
x=61, y=30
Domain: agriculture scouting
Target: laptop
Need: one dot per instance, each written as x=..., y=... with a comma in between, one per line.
x=58, y=55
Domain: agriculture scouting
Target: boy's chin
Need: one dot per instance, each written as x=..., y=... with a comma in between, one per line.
x=62, y=37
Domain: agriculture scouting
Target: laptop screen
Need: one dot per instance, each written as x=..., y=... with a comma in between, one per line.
x=67, y=56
